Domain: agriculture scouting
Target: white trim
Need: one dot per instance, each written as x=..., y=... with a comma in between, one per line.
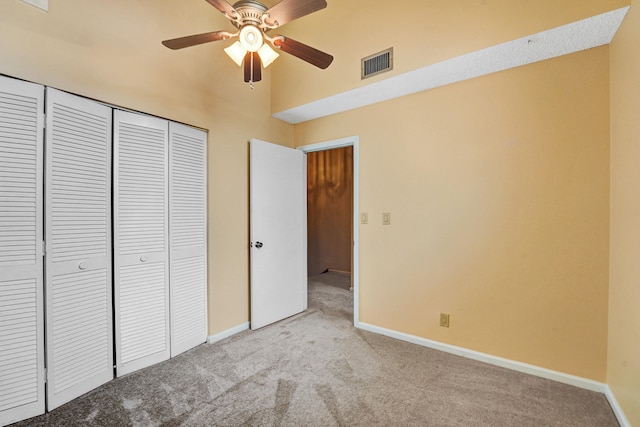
x=487, y=358
x=615, y=406
x=328, y=145
x=574, y=37
x=350, y=141
x=40, y=4
x=229, y=332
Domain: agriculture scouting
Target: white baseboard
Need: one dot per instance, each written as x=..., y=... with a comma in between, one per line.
x=331, y=270
x=615, y=406
x=226, y=334
x=475, y=355
x=487, y=358
x=509, y=364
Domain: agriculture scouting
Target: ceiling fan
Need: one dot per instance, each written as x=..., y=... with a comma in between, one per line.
x=253, y=22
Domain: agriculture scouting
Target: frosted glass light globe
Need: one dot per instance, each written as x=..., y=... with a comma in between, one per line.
x=251, y=38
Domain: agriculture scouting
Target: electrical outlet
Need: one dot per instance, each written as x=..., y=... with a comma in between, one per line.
x=444, y=320
x=364, y=218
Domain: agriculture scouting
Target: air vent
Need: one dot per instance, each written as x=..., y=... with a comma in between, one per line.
x=377, y=63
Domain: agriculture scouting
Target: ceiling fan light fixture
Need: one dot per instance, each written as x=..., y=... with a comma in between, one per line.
x=251, y=38
x=236, y=52
x=255, y=47
x=267, y=55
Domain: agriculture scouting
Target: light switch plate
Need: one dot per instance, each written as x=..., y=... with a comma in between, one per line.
x=444, y=320
x=386, y=218
x=364, y=218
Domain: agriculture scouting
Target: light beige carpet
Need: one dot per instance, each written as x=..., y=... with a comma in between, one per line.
x=316, y=369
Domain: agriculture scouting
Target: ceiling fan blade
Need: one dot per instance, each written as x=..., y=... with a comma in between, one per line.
x=182, y=42
x=252, y=67
x=307, y=53
x=257, y=67
x=288, y=10
x=224, y=7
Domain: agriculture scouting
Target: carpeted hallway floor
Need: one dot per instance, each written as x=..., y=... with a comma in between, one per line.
x=316, y=369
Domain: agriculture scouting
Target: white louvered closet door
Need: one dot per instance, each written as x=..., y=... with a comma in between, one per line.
x=78, y=247
x=21, y=264
x=188, y=236
x=141, y=252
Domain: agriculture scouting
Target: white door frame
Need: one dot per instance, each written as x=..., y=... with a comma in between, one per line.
x=350, y=141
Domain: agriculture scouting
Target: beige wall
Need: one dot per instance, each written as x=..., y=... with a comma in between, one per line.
x=111, y=51
x=498, y=189
x=624, y=293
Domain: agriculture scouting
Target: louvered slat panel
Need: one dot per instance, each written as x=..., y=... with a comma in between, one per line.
x=18, y=341
x=141, y=241
x=142, y=175
x=78, y=234
x=79, y=169
x=189, y=302
x=18, y=195
x=188, y=191
x=188, y=242
x=21, y=265
x=80, y=304
x=142, y=310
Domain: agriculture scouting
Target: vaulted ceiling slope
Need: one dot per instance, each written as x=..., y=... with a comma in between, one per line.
x=332, y=95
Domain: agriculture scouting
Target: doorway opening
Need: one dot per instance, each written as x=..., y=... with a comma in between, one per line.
x=332, y=206
x=330, y=214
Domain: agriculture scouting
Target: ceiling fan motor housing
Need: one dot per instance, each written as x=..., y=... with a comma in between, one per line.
x=250, y=12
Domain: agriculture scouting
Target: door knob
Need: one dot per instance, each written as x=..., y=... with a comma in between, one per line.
x=258, y=245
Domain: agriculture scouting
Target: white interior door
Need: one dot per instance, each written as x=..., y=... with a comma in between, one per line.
x=141, y=241
x=188, y=236
x=21, y=265
x=278, y=195
x=78, y=239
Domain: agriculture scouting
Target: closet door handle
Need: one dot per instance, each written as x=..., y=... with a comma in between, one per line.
x=143, y=258
x=82, y=266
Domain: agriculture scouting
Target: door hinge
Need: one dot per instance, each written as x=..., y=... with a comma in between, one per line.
x=45, y=375
x=44, y=248
x=44, y=121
